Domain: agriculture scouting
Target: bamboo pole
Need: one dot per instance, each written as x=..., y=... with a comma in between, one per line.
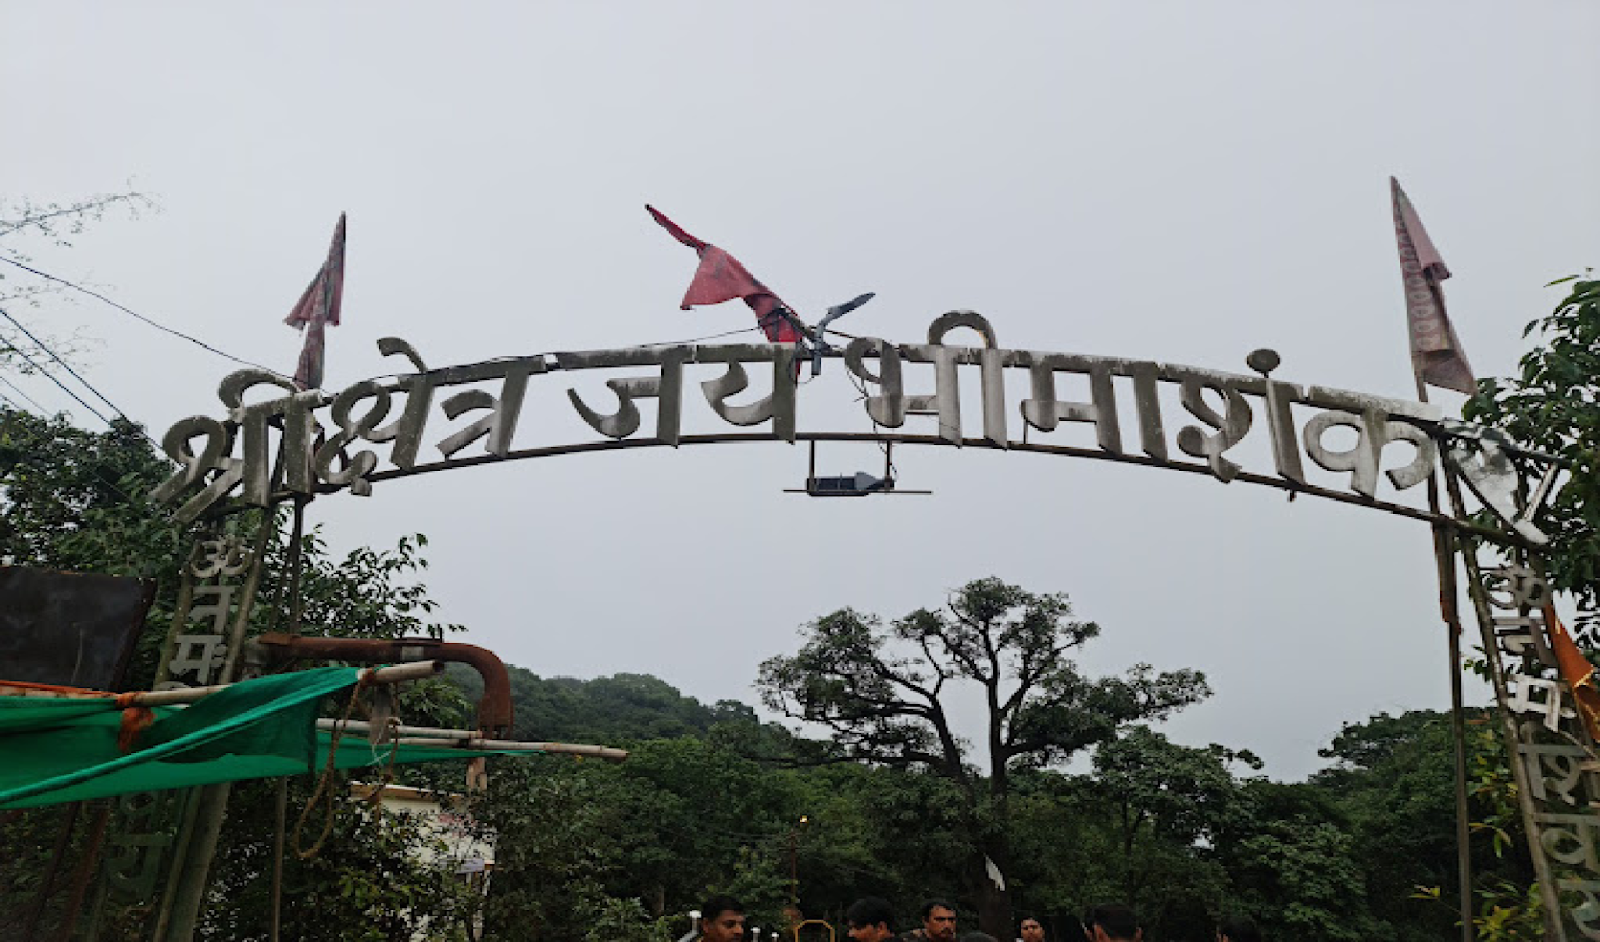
x=511, y=745
x=371, y=675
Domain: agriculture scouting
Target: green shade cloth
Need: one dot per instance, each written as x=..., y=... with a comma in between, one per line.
x=58, y=750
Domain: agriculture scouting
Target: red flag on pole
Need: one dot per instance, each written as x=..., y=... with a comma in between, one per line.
x=721, y=277
x=1436, y=354
x=317, y=308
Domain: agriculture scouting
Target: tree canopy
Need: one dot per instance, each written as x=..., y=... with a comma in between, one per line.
x=1552, y=404
x=883, y=695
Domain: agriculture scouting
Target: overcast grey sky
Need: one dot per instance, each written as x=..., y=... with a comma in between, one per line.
x=1173, y=181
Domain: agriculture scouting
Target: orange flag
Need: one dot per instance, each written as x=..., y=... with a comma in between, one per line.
x=1576, y=671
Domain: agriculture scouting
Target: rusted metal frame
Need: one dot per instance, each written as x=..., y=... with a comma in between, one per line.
x=1070, y=451
x=1555, y=929
x=495, y=711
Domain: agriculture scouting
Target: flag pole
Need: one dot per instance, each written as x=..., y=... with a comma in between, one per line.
x=1428, y=334
x=1444, y=555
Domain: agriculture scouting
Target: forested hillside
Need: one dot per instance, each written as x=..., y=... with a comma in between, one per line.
x=627, y=707
x=1182, y=833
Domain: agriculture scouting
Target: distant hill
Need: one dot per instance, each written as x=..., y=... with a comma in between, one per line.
x=603, y=710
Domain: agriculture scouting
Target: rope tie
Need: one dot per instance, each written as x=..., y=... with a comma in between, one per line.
x=322, y=790
x=386, y=777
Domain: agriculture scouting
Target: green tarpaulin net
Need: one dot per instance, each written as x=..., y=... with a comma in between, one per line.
x=58, y=750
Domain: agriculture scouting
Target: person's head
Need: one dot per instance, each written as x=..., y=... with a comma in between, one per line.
x=722, y=919
x=939, y=920
x=1112, y=922
x=1238, y=929
x=1030, y=929
x=871, y=919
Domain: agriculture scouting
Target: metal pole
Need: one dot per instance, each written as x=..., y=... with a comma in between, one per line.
x=1554, y=930
x=1444, y=553
x=181, y=908
x=280, y=805
x=85, y=872
x=1444, y=556
x=47, y=884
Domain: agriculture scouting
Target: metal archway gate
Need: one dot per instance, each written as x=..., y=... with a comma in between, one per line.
x=1398, y=456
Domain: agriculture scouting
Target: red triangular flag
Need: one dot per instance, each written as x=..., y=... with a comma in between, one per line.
x=1436, y=354
x=318, y=307
x=721, y=277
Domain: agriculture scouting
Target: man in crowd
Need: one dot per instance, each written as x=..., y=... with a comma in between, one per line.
x=1030, y=930
x=1112, y=922
x=1238, y=929
x=722, y=920
x=938, y=922
x=871, y=919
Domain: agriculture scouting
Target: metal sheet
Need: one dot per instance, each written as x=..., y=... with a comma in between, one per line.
x=69, y=628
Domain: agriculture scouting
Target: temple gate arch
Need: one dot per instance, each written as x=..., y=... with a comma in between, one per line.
x=1352, y=448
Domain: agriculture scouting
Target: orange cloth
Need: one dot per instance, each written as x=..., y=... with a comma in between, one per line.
x=135, y=720
x=1576, y=671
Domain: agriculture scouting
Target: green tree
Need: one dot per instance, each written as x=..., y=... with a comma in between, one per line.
x=380, y=876
x=1166, y=808
x=1553, y=405
x=605, y=709
x=882, y=693
x=581, y=843
x=74, y=499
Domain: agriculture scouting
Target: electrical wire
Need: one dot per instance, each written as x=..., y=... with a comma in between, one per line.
x=46, y=374
x=18, y=390
x=75, y=375
x=127, y=310
x=726, y=333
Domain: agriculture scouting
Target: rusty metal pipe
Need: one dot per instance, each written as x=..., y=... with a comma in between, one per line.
x=494, y=710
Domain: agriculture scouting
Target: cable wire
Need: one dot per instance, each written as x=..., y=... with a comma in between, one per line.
x=46, y=374
x=18, y=390
x=64, y=365
x=726, y=333
x=130, y=311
